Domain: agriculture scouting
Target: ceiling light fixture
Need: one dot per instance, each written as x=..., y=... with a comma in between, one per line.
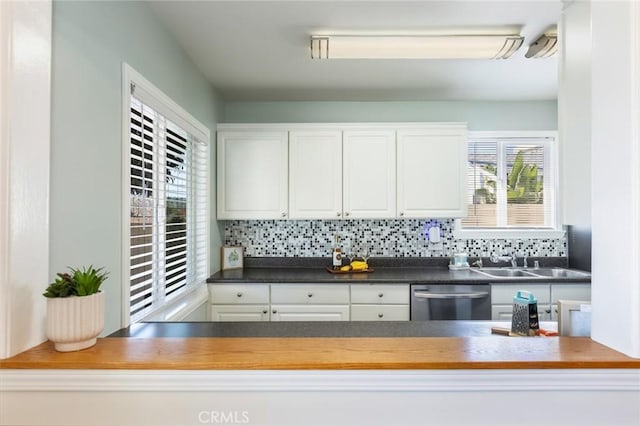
x=545, y=46
x=415, y=47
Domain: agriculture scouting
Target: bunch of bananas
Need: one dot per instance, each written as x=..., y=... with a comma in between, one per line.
x=356, y=265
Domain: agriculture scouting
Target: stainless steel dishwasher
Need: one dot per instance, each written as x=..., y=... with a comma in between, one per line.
x=450, y=302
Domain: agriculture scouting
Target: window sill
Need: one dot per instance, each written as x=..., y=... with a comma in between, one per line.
x=179, y=309
x=470, y=234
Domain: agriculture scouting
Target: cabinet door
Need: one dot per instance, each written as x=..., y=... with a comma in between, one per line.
x=501, y=312
x=432, y=172
x=252, y=175
x=309, y=312
x=369, y=174
x=223, y=313
x=315, y=174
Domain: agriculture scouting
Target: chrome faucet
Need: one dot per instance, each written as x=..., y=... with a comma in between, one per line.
x=510, y=258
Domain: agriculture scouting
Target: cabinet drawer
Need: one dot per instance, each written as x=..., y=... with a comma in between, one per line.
x=504, y=293
x=310, y=293
x=505, y=312
x=379, y=312
x=379, y=293
x=238, y=293
x=570, y=292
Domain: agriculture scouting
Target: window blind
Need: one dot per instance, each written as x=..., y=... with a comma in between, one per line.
x=168, y=209
x=510, y=183
x=482, y=185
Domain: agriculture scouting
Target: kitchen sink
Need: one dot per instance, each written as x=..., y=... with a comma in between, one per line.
x=559, y=273
x=505, y=272
x=530, y=273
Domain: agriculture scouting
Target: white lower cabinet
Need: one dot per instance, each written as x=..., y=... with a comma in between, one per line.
x=363, y=302
x=310, y=302
x=379, y=302
x=546, y=294
x=239, y=302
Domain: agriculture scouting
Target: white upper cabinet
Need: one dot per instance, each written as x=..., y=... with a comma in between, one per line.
x=432, y=171
x=315, y=174
x=252, y=174
x=369, y=174
x=342, y=171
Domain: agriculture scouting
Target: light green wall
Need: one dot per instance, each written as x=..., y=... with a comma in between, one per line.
x=90, y=42
x=487, y=115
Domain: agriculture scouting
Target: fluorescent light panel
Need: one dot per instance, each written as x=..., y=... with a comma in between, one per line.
x=415, y=47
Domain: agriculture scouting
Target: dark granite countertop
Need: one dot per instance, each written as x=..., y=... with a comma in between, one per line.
x=386, y=270
x=317, y=329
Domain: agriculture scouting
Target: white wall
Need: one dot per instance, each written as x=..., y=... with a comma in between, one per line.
x=25, y=90
x=489, y=115
x=574, y=109
x=615, y=174
x=327, y=397
x=90, y=42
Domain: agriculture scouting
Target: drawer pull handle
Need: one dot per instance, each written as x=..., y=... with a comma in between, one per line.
x=380, y=315
x=380, y=295
x=239, y=294
x=310, y=295
x=265, y=311
x=274, y=312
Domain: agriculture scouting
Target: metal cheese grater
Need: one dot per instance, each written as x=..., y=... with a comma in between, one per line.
x=525, y=314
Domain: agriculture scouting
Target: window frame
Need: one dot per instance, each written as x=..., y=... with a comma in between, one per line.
x=194, y=295
x=551, y=184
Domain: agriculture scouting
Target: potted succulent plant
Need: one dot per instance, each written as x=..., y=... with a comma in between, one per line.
x=75, y=308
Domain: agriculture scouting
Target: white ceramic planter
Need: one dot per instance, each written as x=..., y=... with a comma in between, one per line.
x=74, y=323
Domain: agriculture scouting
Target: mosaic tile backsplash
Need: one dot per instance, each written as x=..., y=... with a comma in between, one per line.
x=379, y=238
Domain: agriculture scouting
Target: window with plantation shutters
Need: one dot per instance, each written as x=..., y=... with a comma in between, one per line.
x=168, y=213
x=510, y=183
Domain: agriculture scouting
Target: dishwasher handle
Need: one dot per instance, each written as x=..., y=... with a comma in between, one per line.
x=476, y=295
